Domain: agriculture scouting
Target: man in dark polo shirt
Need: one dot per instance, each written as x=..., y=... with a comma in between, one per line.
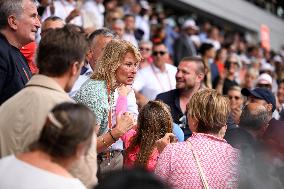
x=189, y=79
x=18, y=26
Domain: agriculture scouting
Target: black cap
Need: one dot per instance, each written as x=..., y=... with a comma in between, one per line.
x=261, y=93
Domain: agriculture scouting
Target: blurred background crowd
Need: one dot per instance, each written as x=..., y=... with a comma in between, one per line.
x=165, y=82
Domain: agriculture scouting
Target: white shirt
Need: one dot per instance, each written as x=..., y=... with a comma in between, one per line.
x=150, y=81
x=215, y=43
x=81, y=79
x=17, y=174
x=93, y=14
x=62, y=10
x=131, y=102
x=131, y=38
x=143, y=24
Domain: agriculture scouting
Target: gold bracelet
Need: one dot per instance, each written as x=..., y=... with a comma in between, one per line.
x=103, y=140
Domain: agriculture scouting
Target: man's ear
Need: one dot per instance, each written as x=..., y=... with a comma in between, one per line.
x=269, y=107
x=75, y=68
x=89, y=54
x=200, y=77
x=12, y=22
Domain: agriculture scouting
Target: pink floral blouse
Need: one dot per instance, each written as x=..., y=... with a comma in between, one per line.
x=218, y=159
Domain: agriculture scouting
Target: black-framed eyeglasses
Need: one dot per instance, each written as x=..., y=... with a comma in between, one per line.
x=155, y=53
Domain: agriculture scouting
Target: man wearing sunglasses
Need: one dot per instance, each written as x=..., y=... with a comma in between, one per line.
x=265, y=81
x=157, y=78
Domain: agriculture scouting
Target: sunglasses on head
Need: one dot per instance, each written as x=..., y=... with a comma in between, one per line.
x=155, y=53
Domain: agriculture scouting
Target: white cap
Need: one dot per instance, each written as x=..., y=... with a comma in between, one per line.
x=190, y=24
x=264, y=79
x=145, y=5
x=266, y=67
x=277, y=58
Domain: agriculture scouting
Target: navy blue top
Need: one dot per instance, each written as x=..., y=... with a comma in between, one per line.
x=14, y=70
x=171, y=98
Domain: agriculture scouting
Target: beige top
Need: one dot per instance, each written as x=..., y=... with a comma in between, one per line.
x=22, y=118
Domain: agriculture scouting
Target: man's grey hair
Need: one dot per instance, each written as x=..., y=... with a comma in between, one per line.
x=103, y=31
x=10, y=7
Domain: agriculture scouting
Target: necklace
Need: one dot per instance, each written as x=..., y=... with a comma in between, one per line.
x=110, y=107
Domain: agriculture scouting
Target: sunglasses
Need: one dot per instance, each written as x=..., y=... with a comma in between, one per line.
x=264, y=86
x=144, y=49
x=155, y=53
x=235, y=97
x=233, y=62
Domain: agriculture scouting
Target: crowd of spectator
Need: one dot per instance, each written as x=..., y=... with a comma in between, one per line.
x=89, y=87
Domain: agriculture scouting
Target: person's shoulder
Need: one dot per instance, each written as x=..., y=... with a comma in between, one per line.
x=275, y=131
x=177, y=147
x=7, y=160
x=171, y=68
x=76, y=184
x=92, y=84
x=4, y=46
x=231, y=151
x=3, y=41
x=167, y=95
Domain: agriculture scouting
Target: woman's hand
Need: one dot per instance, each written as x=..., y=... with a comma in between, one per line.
x=124, y=123
x=236, y=114
x=163, y=142
x=123, y=90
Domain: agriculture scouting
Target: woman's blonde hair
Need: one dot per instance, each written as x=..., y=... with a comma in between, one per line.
x=112, y=57
x=154, y=121
x=209, y=109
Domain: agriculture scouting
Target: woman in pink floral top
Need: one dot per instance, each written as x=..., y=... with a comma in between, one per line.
x=207, y=113
x=154, y=121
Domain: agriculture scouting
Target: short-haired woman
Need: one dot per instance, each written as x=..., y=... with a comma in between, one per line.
x=65, y=138
x=205, y=160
